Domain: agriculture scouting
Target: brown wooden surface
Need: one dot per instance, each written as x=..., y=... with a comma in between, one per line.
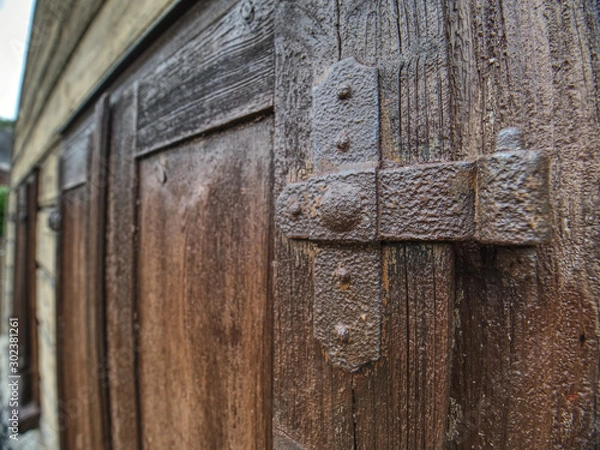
x=24, y=301
x=202, y=305
x=514, y=365
x=222, y=74
x=75, y=402
x=525, y=359
x=83, y=399
x=120, y=236
x=213, y=29
x=95, y=251
x=482, y=346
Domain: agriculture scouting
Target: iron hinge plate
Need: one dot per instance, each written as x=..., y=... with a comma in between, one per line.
x=350, y=206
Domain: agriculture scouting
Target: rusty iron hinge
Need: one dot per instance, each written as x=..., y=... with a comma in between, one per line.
x=351, y=205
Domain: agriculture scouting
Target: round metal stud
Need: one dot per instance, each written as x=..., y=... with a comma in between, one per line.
x=342, y=332
x=54, y=221
x=341, y=208
x=295, y=209
x=344, y=91
x=343, y=141
x=343, y=275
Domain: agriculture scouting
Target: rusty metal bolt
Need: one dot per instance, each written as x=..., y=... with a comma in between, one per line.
x=342, y=332
x=343, y=275
x=54, y=221
x=344, y=91
x=341, y=208
x=343, y=141
x=295, y=209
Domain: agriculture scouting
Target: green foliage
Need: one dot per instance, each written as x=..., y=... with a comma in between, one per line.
x=3, y=206
x=5, y=123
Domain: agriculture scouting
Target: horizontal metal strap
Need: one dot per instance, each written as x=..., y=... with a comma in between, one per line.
x=433, y=202
x=498, y=199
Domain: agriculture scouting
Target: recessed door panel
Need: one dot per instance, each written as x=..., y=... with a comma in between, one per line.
x=202, y=301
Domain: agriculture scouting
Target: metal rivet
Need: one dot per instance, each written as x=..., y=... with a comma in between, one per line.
x=342, y=332
x=343, y=275
x=343, y=141
x=295, y=209
x=344, y=91
x=341, y=208
x=54, y=221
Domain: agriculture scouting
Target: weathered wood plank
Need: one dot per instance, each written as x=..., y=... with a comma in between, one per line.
x=223, y=74
x=312, y=401
x=75, y=156
x=74, y=402
x=120, y=281
x=527, y=317
x=95, y=245
x=203, y=276
x=403, y=399
x=80, y=300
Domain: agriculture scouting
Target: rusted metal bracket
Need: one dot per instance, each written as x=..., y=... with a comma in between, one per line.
x=350, y=206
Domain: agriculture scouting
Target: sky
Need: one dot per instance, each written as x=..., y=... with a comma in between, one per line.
x=15, y=16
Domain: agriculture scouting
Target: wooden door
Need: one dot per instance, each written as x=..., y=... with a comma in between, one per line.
x=210, y=308
x=189, y=226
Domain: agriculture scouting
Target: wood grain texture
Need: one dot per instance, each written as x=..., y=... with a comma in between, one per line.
x=76, y=401
x=202, y=269
x=74, y=157
x=95, y=265
x=526, y=351
x=224, y=73
x=120, y=279
x=408, y=41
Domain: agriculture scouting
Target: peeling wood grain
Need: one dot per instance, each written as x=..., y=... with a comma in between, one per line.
x=74, y=157
x=225, y=73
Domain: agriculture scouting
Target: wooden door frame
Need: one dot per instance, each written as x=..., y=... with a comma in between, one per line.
x=95, y=180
